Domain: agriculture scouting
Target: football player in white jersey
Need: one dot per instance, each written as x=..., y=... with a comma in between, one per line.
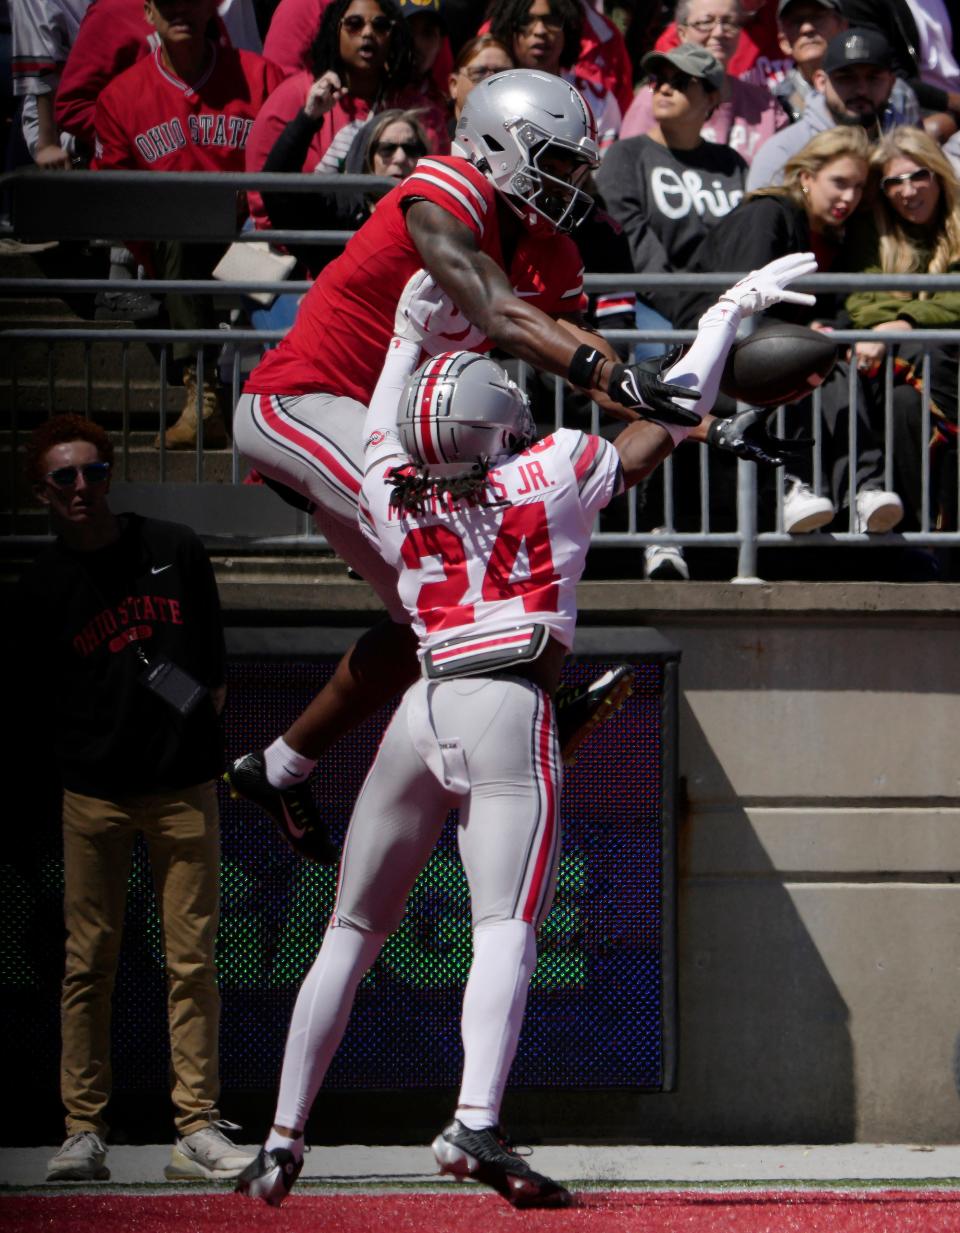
x=489, y=531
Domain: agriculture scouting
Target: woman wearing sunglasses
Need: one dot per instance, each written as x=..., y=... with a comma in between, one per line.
x=746, y=114
x=362, y=63
x=387, y=145
x=916, y=219
x=814, y=209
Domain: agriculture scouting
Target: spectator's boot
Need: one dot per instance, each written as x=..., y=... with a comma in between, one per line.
x=183, y=434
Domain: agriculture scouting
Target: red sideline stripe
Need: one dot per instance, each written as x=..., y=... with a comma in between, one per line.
x=535, y=891
x=610, y=1211
x=284, y=428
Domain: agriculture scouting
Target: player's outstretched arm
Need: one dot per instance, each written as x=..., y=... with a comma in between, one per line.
x=479, y=287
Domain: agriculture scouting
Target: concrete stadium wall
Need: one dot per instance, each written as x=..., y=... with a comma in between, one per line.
x=819, y=855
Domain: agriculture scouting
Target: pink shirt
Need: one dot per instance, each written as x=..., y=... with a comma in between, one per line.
x=744, y=122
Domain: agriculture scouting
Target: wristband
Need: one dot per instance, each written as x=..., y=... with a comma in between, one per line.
x=584, y=365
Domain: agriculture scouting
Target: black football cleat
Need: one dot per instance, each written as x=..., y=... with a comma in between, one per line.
x=292, y=808
x=582, y=708
x=485, y=1156
x=269, y=1176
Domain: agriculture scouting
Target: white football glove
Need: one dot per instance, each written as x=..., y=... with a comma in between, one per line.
x=766, y=286
x=427, y=315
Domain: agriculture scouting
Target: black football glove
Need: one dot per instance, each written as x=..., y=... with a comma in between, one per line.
x=642, y=391
x=747, y=435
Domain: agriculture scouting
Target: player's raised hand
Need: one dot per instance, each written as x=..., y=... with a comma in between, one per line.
x=426, y=314
x=767, y=286
x=325, y=91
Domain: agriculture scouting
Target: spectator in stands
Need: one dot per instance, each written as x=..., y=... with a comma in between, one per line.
x=822, y=187
x=917, y=230
x=43, y=33
x=670, y=187
x=854, y=87
x=746, y=114
x=188, y=107
x=115, y=34
x=924, y=53
x=757, y=57
x=424, y=20
x=362, y=62
x=293, y=30
x=478, y=59
x=546, y=35
x=602, y=56
x=389, y=145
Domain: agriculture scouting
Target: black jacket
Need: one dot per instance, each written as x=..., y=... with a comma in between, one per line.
x=757, y=231
x=81, y=617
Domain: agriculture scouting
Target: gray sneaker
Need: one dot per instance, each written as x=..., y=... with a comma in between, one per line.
x=79, y=1160
x=207, y=1153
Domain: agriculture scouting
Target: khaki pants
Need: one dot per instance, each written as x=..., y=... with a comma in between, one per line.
x=182, y=833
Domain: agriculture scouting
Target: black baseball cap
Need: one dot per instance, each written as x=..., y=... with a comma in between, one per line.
x=857, y=46
x=824, y=4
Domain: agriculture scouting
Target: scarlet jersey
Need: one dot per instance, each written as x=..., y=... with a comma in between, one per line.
x=147, y=119
x=338, y=342
x=481, y=569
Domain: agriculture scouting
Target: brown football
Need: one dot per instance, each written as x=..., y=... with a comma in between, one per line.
x=778, y=362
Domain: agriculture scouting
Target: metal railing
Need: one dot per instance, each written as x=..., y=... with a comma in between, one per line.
x=242, y=345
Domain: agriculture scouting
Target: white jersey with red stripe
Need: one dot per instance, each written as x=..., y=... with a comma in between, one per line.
x=147, y=119
x=477, y=571
x=338, y=342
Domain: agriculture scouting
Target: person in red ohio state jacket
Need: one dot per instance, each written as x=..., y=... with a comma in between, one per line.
x=115, y=34
x=189, y=106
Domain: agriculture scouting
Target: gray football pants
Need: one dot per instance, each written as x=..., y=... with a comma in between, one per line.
x=487, y=745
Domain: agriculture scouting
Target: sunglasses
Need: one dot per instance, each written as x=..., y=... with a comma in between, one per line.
x=355, y=24
x=676, y=81
x=387, y=149
x=480, y=72
x=550, y=20
x=92, y=472
x=921, y=176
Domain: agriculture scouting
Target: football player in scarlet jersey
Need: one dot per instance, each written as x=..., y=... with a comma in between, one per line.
x=490, y=224
x=455, y=489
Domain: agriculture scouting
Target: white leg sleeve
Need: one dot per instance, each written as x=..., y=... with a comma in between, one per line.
x=701, y=367
x=504, y=957
x=320, y=1018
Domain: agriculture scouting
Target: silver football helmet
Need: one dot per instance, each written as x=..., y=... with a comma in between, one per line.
x=461, y=408
x=535, y=139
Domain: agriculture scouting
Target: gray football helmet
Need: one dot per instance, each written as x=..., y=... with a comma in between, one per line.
x=461, y=408
x=535, y=139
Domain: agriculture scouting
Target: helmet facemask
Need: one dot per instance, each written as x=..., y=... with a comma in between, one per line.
x=550, y=183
